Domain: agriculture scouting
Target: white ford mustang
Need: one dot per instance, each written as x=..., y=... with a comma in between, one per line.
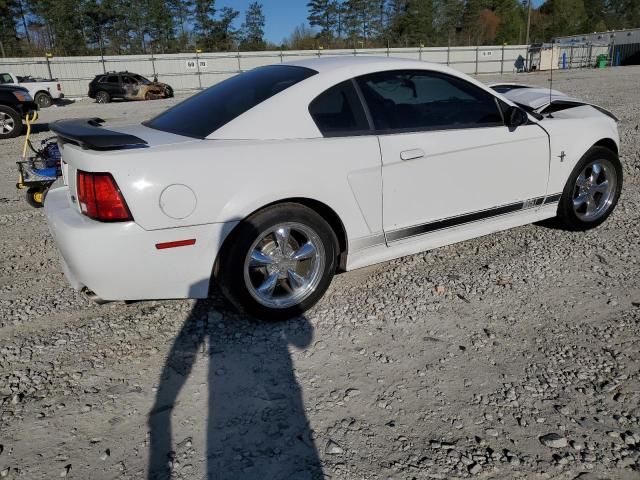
x=268, y=183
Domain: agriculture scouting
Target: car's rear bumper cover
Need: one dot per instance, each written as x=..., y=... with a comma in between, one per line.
x=120, y=261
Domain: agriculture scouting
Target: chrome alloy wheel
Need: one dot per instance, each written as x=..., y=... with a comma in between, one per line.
x=284, y=265
x=7, y=124
x=594, y=190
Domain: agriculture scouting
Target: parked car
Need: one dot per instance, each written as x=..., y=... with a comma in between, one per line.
x=15, y=104
x=268, y=183
x=43, y=91
x=128, y=86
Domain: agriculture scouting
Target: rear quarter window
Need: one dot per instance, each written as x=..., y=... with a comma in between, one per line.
x=339, y=112
x=206, y=112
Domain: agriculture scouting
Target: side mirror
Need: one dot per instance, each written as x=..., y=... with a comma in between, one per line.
x=514, y=117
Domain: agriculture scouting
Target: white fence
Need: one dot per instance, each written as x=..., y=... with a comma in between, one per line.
x=185, y=71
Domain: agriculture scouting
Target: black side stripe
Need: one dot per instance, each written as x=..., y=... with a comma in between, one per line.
x=469, y=218
x=552, y=198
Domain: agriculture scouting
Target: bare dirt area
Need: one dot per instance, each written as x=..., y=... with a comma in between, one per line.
x=515, y=355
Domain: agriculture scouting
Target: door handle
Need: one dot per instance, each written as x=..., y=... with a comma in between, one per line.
x=412, y=154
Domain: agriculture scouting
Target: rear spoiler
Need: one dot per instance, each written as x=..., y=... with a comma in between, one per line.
x=89, y=134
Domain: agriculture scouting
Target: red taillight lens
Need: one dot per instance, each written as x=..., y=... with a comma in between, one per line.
x=59, y=88
x=100, y=198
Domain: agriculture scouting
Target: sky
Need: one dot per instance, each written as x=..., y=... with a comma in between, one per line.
x=281, y=16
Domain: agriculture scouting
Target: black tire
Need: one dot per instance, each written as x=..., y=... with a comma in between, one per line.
x=567, y=215
x=229, y=270
x=43, y=99
x=10, y=123
x=102, y=97
x=169, y=91
x=35, y=196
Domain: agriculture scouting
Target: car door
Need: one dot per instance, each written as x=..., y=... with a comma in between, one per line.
x=130, y=86
x=111, y=83
x=447, y=156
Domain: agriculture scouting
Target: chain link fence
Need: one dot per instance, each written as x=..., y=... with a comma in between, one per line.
x=195, y=71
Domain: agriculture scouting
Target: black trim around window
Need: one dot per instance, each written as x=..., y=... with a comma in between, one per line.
x=393, y=131
x=390, y=131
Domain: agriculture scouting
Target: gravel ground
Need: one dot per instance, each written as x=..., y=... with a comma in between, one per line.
x=510, y=356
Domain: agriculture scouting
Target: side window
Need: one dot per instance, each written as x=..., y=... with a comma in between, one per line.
x=5, y=78
x=419, y=100
x=112, y=79
x=129, y=80
x=338, y=111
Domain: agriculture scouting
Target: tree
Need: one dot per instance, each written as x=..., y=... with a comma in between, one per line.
x=566, y=17
x=9, y=44
x=203, y=23
x=624, y=13
x=224, y=34
x=64, y=22
x=161, y=27
x=358, y=19
x=448, y=20
x=324, y=15
x=302, y=38
x=512, y=24
x=253, y=28
x=411, y=22
x=182, y=11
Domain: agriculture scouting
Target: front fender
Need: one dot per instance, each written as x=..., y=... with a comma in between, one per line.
x=570, y=139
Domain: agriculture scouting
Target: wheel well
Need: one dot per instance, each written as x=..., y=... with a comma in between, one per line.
x=326, y=212
x=43, y=92
x=607, y=143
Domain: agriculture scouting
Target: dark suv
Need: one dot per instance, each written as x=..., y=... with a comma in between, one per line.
x=128, y=86
x=15, y=105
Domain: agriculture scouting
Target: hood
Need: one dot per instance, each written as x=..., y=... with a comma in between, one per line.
x=542, y=100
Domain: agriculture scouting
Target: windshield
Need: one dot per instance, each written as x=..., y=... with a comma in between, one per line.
x=204, y=113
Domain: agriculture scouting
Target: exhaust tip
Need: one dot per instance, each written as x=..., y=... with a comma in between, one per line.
x=91, y=295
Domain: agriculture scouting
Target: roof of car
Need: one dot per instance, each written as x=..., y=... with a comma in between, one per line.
x=339, y=62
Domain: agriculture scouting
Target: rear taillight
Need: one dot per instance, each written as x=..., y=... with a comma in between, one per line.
x=100, y=198
x=59, y=88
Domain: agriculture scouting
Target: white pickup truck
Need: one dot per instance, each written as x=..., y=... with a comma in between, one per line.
x=43, y=91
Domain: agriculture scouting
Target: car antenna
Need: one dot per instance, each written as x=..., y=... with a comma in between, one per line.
x=551, y=82
x=553, y=17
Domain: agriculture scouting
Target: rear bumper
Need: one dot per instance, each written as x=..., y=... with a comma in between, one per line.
x=120, y=261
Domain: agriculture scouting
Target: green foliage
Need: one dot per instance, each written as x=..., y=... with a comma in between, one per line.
x=253, y=28
x=80, y=27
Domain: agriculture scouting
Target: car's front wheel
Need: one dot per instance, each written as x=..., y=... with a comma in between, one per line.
x=278, y=262
x=10, y=123
x=592, y=191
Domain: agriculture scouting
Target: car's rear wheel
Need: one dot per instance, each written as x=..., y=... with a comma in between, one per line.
x=10, y=123
x=592, y=191
x=103, y=97
x=43, y=100
x=278, y=262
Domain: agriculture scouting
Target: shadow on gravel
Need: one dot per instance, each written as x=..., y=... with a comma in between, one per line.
x=551, y=224
x=256, y=424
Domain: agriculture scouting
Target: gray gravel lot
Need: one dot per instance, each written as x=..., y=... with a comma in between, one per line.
x=515, y=355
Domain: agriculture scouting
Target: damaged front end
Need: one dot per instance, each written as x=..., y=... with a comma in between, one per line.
x=151, y=91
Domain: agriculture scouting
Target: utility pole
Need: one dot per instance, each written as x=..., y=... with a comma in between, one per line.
x=528, y=22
